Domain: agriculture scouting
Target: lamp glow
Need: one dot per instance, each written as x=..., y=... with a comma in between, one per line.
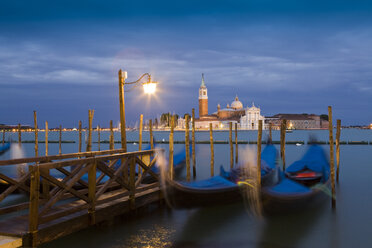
x=149, y=88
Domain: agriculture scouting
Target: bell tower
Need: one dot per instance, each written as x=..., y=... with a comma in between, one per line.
x=203, y=99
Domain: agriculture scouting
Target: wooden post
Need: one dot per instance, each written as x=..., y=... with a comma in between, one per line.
x=36, y=135
x=270, y=131
x=19, y=134
x=79, y=136
x=111, y=136
x=231, y=146
x=33, y=215
x=60, y=139
x=92, y=192
x=122, y=111
x=99, y=137
x=132, y=182
x=331, y=156
x=282, y=141
x=151, y=137
x=187, y=147
x=212, y=149
x=140, y=141
x=171, y=134
x=236, y=143
x=46, y=139
x=140, y=133
x=259, y=139
x=338, y=134
x=3, y=136
x=193, y=144
x=89, y=145
x=45, y=183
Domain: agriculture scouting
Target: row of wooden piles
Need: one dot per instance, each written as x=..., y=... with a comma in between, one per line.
x=187, y=143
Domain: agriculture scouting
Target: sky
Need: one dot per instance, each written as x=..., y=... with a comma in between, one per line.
x=61, y=58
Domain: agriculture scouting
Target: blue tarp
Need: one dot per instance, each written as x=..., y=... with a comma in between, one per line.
x=313, y=160
x=213, y=182
x=287, y=186
x=4, y=148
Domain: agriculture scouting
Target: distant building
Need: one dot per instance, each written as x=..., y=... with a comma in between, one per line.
x=203, y=99
x=235, y=113
x=298, y=121
x=250, y=119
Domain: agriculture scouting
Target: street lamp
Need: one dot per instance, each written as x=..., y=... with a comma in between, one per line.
x=149, y=87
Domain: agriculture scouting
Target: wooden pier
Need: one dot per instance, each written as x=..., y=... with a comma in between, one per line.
x=96, y=187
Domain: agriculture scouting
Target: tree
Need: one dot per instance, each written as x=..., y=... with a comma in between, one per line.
x=324, y=117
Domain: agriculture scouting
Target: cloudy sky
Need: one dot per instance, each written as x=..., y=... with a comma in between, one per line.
x=62, y=58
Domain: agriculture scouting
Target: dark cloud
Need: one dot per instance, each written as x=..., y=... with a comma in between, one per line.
x=63, y=59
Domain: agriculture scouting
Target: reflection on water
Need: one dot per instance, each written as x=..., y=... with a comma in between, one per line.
x=17, y=152
x=248, y=181
x=154, y=237
x=289, y=230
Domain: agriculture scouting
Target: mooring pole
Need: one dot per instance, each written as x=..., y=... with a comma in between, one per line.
x=79, y=136
x=140, y=141
x=338, y=134
x=89, y=145
x=36, y=135
x=3, y=136
x=151, y=135
x=282, y=141
x=99, y=137
x=46, y=138
x=236, y=143
x=270, y=131
x=122, y=110
x=193, y=144
x=111, y=136
x=171, y=169
x=140, y=133
x=212, y=148
x=60, y=139
x=331, y=156
x=45, y=183
x=259, y=139
x=231, y=146
x=187, y=147
x=19, y=134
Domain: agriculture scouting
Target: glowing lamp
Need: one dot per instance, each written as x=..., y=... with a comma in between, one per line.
x=149, y=87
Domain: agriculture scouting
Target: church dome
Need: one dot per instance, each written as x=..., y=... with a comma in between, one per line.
x=236, y=104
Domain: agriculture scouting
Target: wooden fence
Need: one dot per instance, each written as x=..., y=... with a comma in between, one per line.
x=65, y=185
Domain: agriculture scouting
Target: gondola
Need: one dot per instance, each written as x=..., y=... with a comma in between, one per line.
x=4, y=148
x=217, y=190
x=304, y=184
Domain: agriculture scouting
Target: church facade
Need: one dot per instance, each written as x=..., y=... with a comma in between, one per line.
x=245, y=117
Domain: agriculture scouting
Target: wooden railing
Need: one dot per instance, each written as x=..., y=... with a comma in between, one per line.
x=84, y=182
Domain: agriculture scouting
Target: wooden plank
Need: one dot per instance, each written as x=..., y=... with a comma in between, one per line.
x=58, y=157
x=10, y=242
x=111, y=173
x=33, y=215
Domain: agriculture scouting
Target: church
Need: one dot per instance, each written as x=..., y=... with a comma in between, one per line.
x=246, y=118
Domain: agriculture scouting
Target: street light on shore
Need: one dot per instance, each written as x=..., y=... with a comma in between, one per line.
x=149, y=87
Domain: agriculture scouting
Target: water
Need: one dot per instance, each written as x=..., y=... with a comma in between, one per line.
x=232, y=226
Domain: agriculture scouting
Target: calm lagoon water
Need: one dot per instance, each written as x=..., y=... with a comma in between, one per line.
x=231, y=225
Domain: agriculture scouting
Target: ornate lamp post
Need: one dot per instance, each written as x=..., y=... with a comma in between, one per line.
x=149, y=87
